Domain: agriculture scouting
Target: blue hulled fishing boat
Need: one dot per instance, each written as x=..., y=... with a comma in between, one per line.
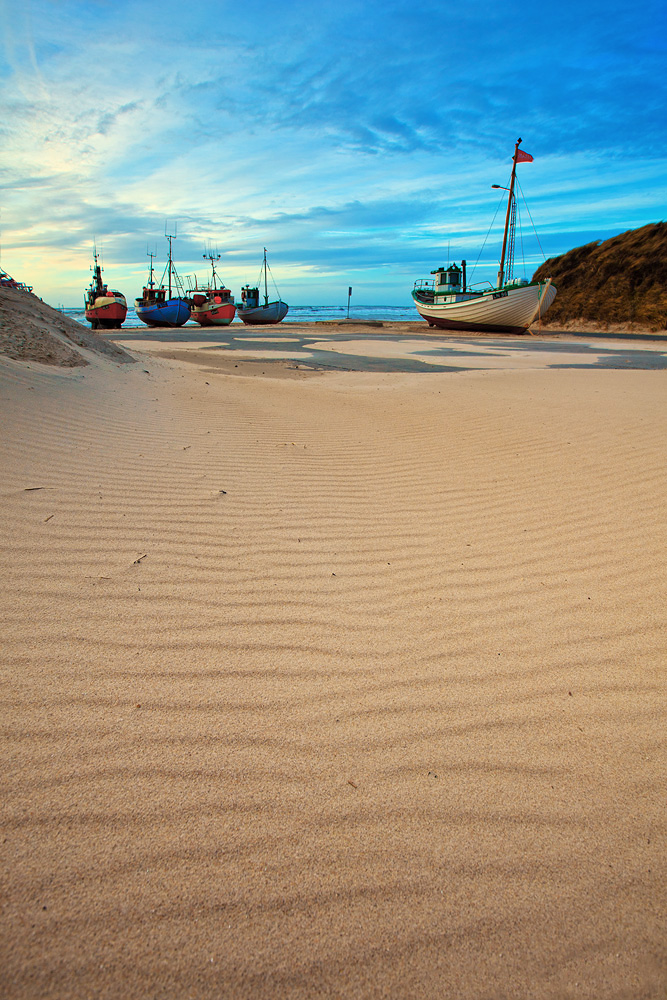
x=157, y=306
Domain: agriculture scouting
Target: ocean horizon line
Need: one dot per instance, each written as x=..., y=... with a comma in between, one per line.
x=298, y=314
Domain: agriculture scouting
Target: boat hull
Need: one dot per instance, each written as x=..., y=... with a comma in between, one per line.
x=510, y=310
x=221, y=316
x=107, y=313
x=173, y=312
x=212, y=313
x=274, y=312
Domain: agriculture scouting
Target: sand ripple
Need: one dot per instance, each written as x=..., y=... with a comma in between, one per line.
x=350, y=686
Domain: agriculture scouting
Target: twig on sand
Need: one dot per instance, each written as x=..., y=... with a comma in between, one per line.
x=136, y=561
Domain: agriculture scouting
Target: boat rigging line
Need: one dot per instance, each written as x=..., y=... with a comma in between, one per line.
x=493, y=221
x=266, y=270
x=523, y=198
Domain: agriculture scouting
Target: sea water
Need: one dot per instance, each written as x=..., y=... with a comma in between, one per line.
x=296, y=314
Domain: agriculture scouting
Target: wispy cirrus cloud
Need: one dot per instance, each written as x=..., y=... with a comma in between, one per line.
x=359, y=136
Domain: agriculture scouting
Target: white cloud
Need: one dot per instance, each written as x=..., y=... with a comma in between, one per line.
x=343, y=136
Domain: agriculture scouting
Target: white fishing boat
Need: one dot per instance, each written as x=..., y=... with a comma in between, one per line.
x=512, y=306
x=255, y=313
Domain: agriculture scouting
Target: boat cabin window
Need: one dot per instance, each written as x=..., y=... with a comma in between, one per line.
x=448, y=279
x=250, y=296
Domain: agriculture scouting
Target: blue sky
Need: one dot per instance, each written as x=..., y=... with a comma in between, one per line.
x=357, y=141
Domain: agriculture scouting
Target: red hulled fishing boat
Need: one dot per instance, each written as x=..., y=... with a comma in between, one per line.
x=212, y=306
x=105, y=309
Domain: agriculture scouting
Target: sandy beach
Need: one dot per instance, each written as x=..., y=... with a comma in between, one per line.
x=323, y=682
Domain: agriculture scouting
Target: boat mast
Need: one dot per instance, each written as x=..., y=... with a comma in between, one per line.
x=170, y=238
x=510, y=196
x=212, y=257
x=97, y=271
x=266, y=289
x=150, y=279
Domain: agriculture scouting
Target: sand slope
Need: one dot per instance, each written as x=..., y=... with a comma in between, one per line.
x=32, y=330
x=348, y=685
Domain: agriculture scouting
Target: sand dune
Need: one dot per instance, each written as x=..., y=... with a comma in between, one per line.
x=344, y=685
x=33, y=331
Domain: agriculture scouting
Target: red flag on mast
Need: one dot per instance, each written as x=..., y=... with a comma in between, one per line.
x=523, y=157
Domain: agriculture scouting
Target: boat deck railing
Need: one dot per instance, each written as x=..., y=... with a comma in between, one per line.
x=424, y=290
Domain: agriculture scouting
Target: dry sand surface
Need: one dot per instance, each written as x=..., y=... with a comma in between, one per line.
x=341, y=685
